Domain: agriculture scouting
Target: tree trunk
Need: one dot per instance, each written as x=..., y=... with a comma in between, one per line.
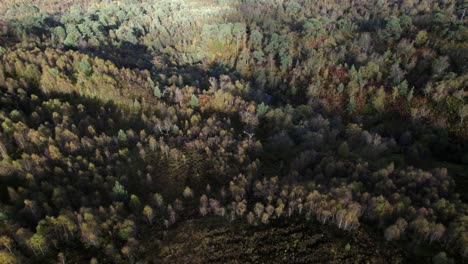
x=9, y=249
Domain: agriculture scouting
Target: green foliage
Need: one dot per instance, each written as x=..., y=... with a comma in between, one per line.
x=126, y=229
x=73, y=36
x=463, y=112
x=59, y=34
x=194, y=101
x=85, y=67
x=403, y=88
x=121, y=135
x=393, y=28
x=259, y=56
x=421, y=38
x=126, y=34
x=3, y=217
x=157, y=92
x=410, y=94
x=340, y=88
x=119, y=191
x=38, y=242
x=351, y=105
x=159, y=200
x=440, y=64
x=347, y=247
x=148, y=212
x=136, y=105
x=314, y=28
x=187, y=192
x=7, y=258
x=135, y=203
x=175, y=129
x=16, y=116
x=55, y=72
x=262, y=109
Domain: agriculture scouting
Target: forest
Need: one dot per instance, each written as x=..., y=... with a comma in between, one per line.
x=233, y=131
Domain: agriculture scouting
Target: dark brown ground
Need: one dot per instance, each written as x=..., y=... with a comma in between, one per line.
x=212, y=240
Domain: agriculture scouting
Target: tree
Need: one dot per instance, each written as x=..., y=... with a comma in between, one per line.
x=401, y=224
x=351, y=105
x=119, y=191
x=238, y=30
x=392, y=233
x=73, y=36
x=440, y=64
x=293, y=9
x=340, y=88
x=463, y=112
x=255, y=40
x=285, y=62
x=126, y=229
x=6, y=258
x=421, y=226
x=249, y=118
x=122, y=136
x=421, y=38
x=403, y=88
x=6, y=242
x=159, y=200
x=85, y=67
x=378, y=101
x=148, y=213
x=172, y=215
x=59, y=34
x=157, y=92
x=250, y=218
x=262, y=109
x=313, y=28
x=259, y=208
x=265, y=218
x=178, y=205
x=241, y=208
x=188, y=192
x=135, y=204
x=126, y=34
x=38, y=242
x=324, y=215
x=194, y=101
x=279, y=210
x=203, y=205
x=437, y=232
x=340, y=216
x=393, y=28
x=67, y=225
x=396, y=74
x=259, y=56
x=136, y=105
x=61, y=258
x=270, y=210
x=347, y=247
x=152, y=143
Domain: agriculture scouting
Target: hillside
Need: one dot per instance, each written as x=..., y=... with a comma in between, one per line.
x=233, y=131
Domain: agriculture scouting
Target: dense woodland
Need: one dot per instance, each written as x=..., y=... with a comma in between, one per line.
x=122, y=119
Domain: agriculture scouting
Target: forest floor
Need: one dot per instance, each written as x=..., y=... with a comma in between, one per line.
x=213, y=240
